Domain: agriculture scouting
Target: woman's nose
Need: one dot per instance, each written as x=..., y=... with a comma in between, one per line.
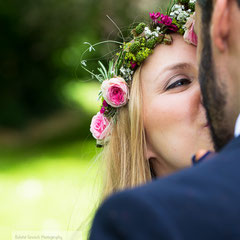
x=198, y=102
x=198, y=95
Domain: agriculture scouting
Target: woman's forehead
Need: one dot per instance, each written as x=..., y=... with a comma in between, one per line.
x=165, y=56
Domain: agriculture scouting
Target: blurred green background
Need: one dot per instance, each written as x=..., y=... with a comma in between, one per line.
x=49, y=177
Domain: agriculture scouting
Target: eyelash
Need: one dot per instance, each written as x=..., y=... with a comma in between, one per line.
x=175, y=84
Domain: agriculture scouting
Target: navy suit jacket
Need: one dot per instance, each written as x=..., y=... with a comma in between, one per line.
x=197, y=203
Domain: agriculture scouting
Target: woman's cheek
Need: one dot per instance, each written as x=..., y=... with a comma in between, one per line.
x=169, y=110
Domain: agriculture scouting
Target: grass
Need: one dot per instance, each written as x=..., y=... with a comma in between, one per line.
x=47, y=187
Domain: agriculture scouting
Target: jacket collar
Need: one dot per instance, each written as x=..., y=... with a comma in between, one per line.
x=233, y=144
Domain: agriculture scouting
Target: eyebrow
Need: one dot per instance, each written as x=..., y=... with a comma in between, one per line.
x=177, y=66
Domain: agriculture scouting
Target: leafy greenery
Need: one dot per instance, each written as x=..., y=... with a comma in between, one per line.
x=41, y=44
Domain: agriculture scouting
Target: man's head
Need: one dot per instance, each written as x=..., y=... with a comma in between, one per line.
x=218, y=29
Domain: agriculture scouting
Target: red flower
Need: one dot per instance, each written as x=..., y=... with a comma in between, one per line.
x=166, y=20
x=133, y=65
x=173, y=28
x=154, y=16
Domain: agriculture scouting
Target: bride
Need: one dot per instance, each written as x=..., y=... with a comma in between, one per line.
x=152, y=120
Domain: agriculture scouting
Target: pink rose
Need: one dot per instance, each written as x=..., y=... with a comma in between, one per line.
x=190, y=36
x=100, y=126
x=115, y=92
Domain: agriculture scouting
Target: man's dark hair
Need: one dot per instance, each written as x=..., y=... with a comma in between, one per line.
x=207, y=8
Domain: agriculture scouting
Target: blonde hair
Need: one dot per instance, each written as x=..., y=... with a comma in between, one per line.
x=123, y=156
x=123, y=164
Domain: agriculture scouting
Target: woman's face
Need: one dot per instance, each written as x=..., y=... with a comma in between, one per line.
x=174, y=118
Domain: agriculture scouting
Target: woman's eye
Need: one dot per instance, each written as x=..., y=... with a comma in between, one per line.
x=179, y=83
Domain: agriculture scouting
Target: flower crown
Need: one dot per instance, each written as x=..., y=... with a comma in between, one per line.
x=117, y=78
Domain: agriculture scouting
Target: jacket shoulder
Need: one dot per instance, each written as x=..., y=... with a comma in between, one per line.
x=125, y=214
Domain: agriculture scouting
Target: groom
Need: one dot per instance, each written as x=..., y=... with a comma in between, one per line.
x=202, y=202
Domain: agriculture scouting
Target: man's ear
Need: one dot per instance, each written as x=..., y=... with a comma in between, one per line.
x=221, y=24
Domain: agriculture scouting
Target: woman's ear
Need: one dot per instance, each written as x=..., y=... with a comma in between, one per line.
x=149, y=153
x=220, y=26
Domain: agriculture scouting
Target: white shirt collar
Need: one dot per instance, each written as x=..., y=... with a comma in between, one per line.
x=237, y=127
